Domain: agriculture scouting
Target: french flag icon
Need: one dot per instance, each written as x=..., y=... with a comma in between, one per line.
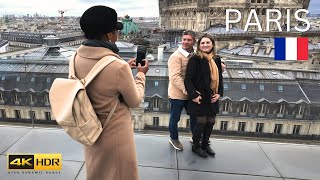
x=292, y=48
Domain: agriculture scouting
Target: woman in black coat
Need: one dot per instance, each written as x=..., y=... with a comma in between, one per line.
x=204, y=84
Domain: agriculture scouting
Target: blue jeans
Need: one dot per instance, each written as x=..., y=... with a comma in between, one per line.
x=175, y=113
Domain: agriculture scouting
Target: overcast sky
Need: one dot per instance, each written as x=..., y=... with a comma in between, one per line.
x=136, y=8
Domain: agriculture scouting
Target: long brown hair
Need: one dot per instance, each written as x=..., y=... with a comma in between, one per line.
x=214, y=72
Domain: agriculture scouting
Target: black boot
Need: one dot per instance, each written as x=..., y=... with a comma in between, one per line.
x=205, y=138
x=208, y=150
x=196, y=148
x=199, y=151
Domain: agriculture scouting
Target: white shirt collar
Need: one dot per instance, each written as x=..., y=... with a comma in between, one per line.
x=184, y=52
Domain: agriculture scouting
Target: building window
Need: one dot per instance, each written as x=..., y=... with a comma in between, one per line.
x=261, y=87
x=262, y=108
x=226, y=106
x=17, y=113
x=188, y=123
x=243, y=86
x=282, y=109
x=46, y=99
x=280, y=88
x=225, y=86
x=3, y=113
x=48, y=115
x=242, y=126
x=156, y=83
x=155, y=103
x=301, y=110
x=277, y=128
x=156, y=121
x=18, y=78
x=296, y=129
x=1, y=97
x=31, y=99
x=3, y=78
x=259, y=127
x=224, y=125
x=244, y=107
x=15, y=97
x=32, y=115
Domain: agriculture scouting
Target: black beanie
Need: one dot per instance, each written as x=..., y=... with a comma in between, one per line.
x=99, y=20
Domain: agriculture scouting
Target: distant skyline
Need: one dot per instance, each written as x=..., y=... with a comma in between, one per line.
x=134, y=8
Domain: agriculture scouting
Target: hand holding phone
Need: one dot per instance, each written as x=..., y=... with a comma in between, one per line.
x=141, y=54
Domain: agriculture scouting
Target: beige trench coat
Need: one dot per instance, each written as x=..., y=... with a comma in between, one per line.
x=113, y=156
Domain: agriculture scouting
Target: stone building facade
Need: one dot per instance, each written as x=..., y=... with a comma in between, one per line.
x=257, y=101
x=198, y=15
x=35, y=39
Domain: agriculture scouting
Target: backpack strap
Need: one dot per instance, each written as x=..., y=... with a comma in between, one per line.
x=101, y=64
x=110, y=114
x=72, y=73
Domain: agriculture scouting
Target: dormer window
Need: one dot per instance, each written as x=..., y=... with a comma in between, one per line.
x=225, y=86
x=243, y=86
x=261, y=87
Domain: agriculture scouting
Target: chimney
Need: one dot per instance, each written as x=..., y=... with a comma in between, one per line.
x=268, y=49
x=161, y=48
x=232, y=45
x=256, y=48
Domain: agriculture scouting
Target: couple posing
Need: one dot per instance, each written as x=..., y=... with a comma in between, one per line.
x=196, y=84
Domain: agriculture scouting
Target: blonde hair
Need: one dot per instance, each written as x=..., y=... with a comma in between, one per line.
x=214, y=72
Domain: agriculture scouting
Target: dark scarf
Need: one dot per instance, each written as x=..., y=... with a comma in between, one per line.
x=100, y=43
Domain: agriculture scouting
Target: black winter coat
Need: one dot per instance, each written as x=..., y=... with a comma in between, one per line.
x=198, y=79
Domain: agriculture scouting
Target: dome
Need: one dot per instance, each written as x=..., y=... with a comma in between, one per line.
x=129, y=26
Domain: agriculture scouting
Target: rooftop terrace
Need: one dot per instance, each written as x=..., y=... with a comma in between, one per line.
x=157, y=160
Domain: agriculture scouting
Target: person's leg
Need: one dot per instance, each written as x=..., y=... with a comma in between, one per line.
x=196, y=136
x=192, y=119
x=206, y=136
x=176, y=107
x=192, y=123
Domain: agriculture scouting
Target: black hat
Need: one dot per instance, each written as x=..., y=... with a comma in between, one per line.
x=99, y=20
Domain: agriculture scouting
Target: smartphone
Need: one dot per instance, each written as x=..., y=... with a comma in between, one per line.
x=141, y=54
